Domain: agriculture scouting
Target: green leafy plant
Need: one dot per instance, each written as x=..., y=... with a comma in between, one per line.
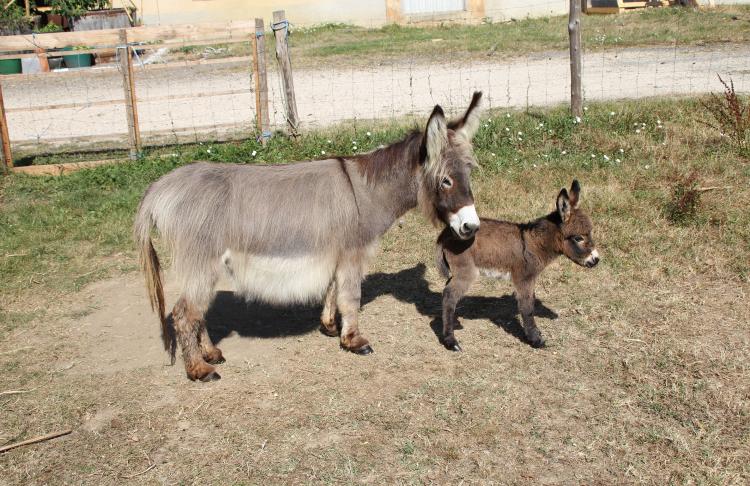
x=76, y=8
x=12, y=18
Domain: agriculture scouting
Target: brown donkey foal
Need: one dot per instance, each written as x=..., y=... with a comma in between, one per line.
x=501, y=249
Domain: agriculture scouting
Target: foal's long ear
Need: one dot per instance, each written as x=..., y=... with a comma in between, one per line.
x=575, y=194
x=563, y=205
x=435, y=138
x=468, y=125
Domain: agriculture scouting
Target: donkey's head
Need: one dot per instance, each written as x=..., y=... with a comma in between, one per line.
x=447, y=158
x=576, y=228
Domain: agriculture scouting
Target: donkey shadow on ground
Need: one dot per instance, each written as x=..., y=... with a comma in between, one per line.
x=229, y=313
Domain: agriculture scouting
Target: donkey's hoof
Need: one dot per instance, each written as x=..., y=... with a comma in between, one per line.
x=213, y=376
x=456, y=348
x=451, y=344
x=328, y=331
x=366, y=349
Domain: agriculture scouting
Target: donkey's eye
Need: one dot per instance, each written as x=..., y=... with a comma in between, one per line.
x=447, y=183
x=578, y=239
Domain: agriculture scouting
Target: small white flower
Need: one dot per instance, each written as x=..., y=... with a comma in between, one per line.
x=492, y=154
x=507, y=115
x=617, y=160
x=635, y=124
x=578, y=119
x=645, y=166
x=520, y=133
x=486, y=125
x=585, y=108
x=330, y=141
x=534, y=166
x=638, y=131
x=564, y=152
x=611, y=113
x=605, y=157
x=208, y=151
x=354, y=142
x=622, y=151
x=254, y=153
x=658, y=122
x=507, y=129
x=322, y=152
x=175, y=155
x=369, y=134
x=593, y=156
x=489, y=119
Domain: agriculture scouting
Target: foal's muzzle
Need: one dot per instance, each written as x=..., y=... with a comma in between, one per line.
x=464, y=222
x=592, y=260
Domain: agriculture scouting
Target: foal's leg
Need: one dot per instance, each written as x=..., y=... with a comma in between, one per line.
x=328, y=317
x=455, y=289
x=348, y=295
x=188, y=320
x=525, y=297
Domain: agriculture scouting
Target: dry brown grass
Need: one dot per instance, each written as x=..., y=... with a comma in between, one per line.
x=645, y=377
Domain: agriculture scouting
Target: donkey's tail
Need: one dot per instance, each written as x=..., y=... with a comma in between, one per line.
x=152, y=271
x=441, y=262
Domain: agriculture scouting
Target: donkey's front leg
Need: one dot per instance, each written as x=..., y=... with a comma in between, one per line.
x=188, y=319
x=525, y=297
x=348, y=295
x=328, y=316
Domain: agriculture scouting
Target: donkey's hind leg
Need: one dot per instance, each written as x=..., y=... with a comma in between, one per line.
x=348, y=294
x=211, y=354
x=328, y=316
x=188, y=321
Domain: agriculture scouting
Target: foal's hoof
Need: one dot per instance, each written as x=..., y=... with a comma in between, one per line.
x=366, y=349
x=537, y=343
x=213, y=376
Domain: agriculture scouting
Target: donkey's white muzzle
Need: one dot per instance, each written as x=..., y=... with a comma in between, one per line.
x=592, y=260
x=465, y=222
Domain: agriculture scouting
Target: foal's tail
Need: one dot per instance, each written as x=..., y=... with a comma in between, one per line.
x=440, y=262
x=152, y=271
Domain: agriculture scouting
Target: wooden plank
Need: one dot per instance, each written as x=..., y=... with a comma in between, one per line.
x=234, y=30
x=574, y=31
x=261, y=82
x=7, y=155
x=66, y=168
x=131, y=104
x=280, y=28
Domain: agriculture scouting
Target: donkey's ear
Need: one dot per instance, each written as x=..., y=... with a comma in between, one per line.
x=563, y=205
x=575, y=194
x=435, y=137
x=468, y=125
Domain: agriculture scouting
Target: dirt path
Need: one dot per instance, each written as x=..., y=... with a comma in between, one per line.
x=212, y=101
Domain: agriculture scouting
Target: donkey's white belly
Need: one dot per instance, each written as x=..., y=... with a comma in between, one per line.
x=494, y=273
x=280, y=280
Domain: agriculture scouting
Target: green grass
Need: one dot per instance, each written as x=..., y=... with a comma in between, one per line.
x=345, y=45
x=649, y=27
x=60, y=233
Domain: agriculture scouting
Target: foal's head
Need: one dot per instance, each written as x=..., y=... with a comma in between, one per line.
x=447, y=158
x=576, y=228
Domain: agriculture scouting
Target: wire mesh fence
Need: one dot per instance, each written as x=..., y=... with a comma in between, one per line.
x=201, y=88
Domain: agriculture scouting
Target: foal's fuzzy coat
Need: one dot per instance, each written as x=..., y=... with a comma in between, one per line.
x=518, y=251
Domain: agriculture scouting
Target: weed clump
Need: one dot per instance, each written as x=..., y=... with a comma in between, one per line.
x=731, y=114
x=684, y=202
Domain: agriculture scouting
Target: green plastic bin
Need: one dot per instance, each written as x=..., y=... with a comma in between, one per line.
x=10, y=66
x=78, y=60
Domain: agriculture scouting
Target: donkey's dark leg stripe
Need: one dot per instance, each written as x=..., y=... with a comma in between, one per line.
x=342, y=164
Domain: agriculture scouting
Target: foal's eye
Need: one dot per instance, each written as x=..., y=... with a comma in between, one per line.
x=447, y=183
x=578, y=239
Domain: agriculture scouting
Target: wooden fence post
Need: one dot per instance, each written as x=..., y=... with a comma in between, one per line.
x=574, y=31
x=280, y=28
x=131, y=103
x=261, y=82
x=7, y=155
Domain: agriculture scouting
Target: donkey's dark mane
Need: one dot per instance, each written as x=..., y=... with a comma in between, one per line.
x=385, y=161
